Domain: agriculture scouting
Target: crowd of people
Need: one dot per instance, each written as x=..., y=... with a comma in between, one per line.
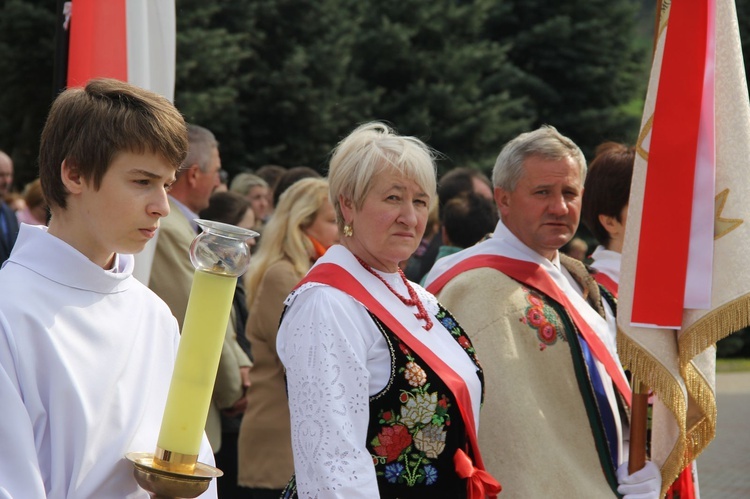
x=339, y=375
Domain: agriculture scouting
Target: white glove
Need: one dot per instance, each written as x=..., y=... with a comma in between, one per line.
x=643, y=484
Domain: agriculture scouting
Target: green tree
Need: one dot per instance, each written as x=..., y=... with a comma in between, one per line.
x=302, y=96
x=27, y=29
x=579, y=62
x=282, y=81
x=317, y=69
x=438, y=77
x=208, y=76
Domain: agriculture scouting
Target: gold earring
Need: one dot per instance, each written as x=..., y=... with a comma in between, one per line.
x=348, y=230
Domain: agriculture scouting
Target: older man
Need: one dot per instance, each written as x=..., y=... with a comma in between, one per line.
x=8, y=220
x=552, y=416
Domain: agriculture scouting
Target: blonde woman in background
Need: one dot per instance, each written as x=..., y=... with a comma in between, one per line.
x=302, y=228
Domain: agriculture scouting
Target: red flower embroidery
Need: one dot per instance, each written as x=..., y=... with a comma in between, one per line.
x=534, y=300
x=547, y=332
x=464, y=342
x=404, y=397
x=535, y=316
x=393, y=440
x=387, y=415
x=542, y=318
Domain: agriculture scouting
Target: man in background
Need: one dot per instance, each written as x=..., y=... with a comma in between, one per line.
x=8, y=220
x=555, y=382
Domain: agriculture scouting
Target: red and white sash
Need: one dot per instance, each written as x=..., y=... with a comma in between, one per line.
x=480, y=483
x=606, y=281
x=533, y=275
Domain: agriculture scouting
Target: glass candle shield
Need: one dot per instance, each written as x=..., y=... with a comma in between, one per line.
x=220, y=255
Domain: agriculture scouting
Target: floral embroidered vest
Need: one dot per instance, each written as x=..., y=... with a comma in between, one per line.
x=415, y=425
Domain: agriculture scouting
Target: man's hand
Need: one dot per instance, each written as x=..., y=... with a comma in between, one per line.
x=239, y=407
x=245, y=376
x=643, y=484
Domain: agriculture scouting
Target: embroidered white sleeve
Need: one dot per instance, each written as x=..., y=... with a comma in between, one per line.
x=323, y=342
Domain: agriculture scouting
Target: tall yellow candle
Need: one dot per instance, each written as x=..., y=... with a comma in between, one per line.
x=195, y=368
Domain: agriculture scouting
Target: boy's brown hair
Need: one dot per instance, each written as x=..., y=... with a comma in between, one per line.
x=88, y=127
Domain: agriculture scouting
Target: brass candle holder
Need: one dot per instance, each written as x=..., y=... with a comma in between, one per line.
x=164, y=484
x=220, y=255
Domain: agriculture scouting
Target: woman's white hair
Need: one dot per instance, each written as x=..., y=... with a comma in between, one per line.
x=366, y=152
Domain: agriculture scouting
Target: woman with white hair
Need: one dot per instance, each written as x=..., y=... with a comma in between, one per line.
x=384, y=386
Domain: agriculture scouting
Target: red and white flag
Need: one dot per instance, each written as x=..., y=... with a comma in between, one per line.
x=130, y=40
x=684, y=282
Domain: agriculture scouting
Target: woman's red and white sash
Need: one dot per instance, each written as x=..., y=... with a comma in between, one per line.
x=480, y=483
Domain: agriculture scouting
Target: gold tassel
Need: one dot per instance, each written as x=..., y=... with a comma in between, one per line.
x=655, y=376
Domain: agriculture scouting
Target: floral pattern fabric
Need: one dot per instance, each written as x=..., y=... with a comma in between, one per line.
x=416, y=426
x=542, y=319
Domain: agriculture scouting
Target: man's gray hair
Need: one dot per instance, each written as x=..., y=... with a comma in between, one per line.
x=201, y=142
x=545, y=142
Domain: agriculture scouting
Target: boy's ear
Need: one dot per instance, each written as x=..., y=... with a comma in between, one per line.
x=71, y=177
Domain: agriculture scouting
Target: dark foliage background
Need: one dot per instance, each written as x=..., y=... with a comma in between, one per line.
x=281, y=81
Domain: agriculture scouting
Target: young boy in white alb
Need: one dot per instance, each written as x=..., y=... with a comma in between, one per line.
x=86, y=350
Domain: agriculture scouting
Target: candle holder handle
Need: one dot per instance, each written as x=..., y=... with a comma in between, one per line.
x=161, y=484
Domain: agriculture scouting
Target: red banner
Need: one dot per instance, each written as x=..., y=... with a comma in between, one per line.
x=98, y=41
x=661, y=267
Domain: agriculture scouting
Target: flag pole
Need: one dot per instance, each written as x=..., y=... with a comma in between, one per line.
x=639, y=406
x=638, y=428
x=62, y=16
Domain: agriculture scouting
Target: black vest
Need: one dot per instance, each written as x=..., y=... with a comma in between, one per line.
x=415, y=425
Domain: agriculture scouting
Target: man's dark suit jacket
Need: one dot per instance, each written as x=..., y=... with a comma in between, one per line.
x=7, y=239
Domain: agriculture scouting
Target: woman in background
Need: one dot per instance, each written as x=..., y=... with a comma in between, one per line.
x=255, y=189
x=302, y=227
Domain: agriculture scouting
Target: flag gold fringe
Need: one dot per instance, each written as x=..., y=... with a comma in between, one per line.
x=703, y=431
x=705, y=332
x=658, y=378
